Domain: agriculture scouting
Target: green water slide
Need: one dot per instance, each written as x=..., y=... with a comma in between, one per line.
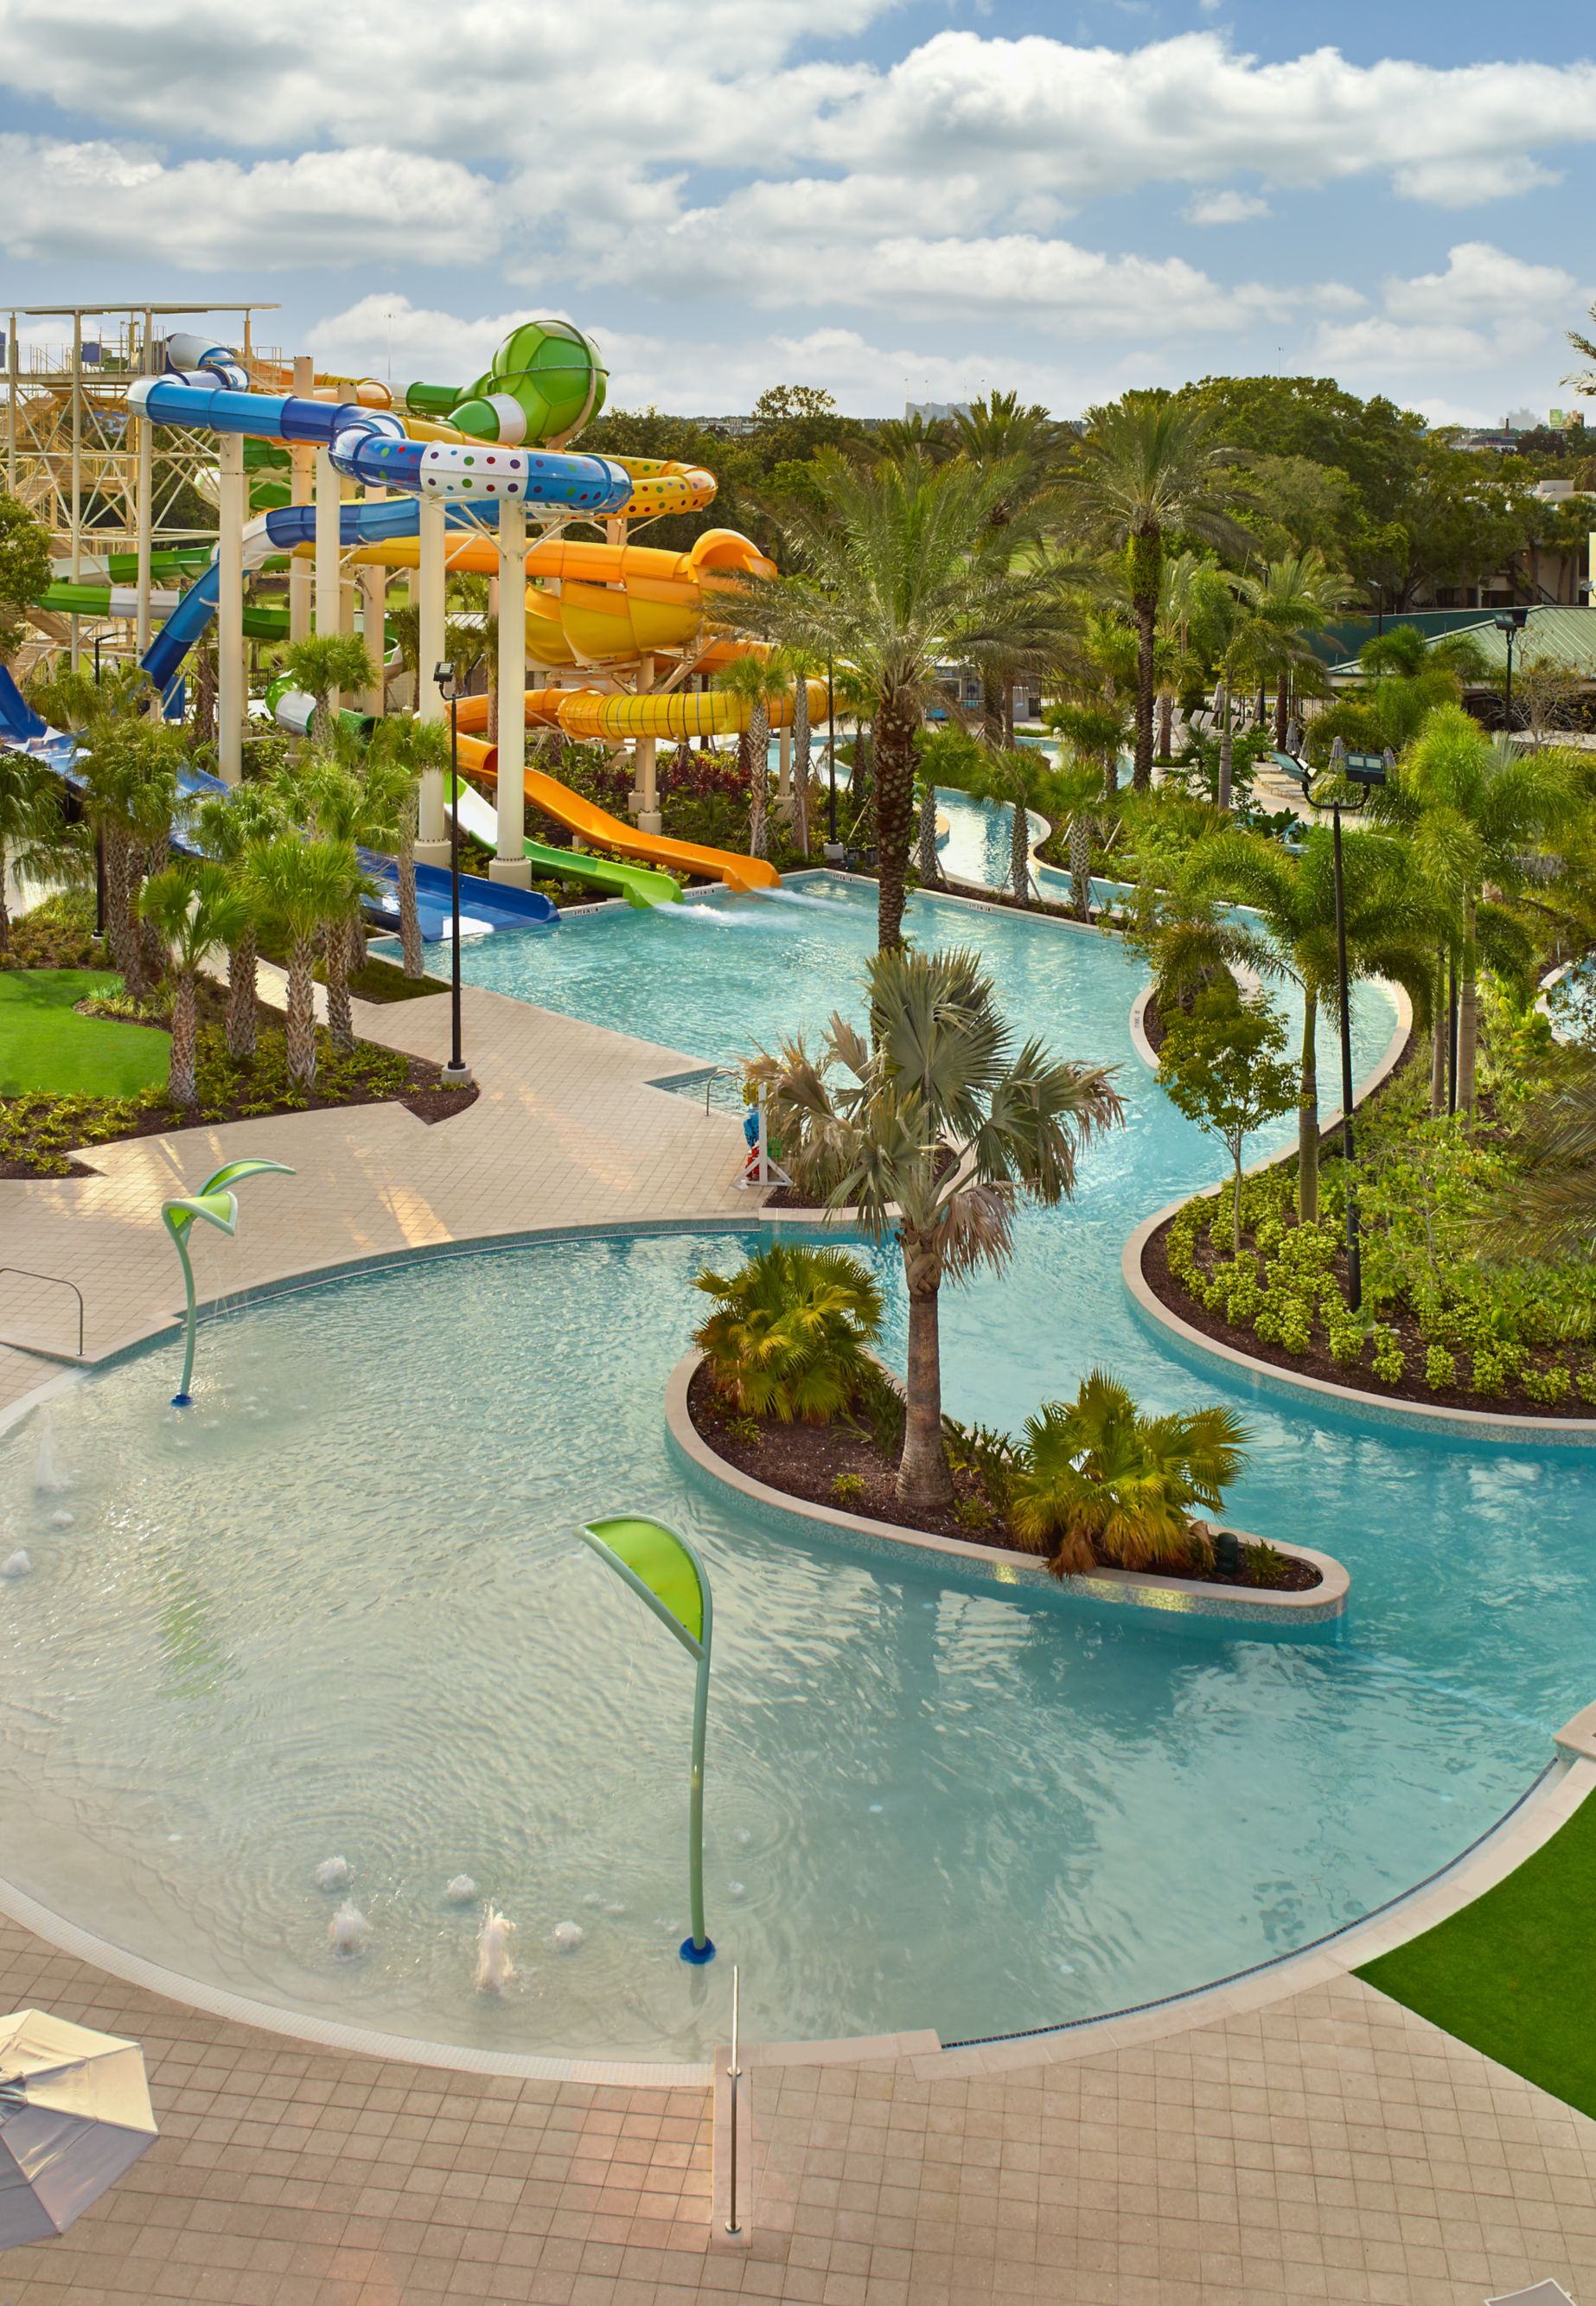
x=638, y=884
x=261, y=623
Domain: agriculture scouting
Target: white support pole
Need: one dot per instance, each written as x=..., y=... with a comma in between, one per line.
x=645, y=795
x=349, y=585
x=144, y=497
x=75, y=532
x=373, y=606
x=328, y=504
x=511, y=862
x=231, y=688
x=432, y=846
x=302, y=466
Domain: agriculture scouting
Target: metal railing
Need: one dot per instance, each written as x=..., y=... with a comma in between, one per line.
x=734, y=2074
x=58, y=1281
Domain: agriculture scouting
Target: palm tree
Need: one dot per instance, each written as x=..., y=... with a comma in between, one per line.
x=1096, y=1477
x=1147, y=464
x=1282, y=606
x=321, y=667
x=405, y=749
x=1550, y=1211
x=36, y=839
x=759, y=681
x=999, y=433
x=891, y=580
x=790, y=1334
x=130, y=796
x=1472, y=808
x=350, y=812
x=1390, y=933
x=1021, y=780
x=193, y=909
x=933, y=1129
x=302, y=886
x=1075, y=790
x=230, y=827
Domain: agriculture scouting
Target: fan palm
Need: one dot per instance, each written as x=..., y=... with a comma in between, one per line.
x=302, y=886
x=323, y=665
x=1097, y=1478
x=1146, y=466
x=193, y=909
x=1390, y=931
x=1472, y=808
x=788, y=1335
x=230, y=827
x=36, y=840
x=889, y=579
x=933, y=1129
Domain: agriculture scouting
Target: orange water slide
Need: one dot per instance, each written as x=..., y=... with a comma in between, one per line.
x=596, y=827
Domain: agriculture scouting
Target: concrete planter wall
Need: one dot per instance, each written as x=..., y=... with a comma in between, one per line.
x=1240, y=1608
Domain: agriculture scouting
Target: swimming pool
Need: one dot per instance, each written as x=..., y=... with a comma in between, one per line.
x=339, y=1609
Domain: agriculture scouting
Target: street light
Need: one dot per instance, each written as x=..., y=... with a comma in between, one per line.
x=1510, y=624
x=457, y=1072
x=1365, y=769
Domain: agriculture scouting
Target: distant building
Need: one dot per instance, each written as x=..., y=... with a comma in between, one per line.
x=932, y=412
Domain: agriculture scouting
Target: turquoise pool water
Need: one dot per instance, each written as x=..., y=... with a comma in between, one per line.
x=339, y=1609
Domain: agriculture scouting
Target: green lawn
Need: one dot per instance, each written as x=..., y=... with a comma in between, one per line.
x=1515, y=1974
x=46, y=1046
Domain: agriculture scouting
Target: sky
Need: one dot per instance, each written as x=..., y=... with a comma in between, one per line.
x=896, y=200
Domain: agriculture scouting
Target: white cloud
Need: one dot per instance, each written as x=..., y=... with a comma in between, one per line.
x=1229, y=207
x=67, y=201
x=1487, y=311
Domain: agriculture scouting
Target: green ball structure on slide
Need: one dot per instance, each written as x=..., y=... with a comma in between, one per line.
x=544, y=383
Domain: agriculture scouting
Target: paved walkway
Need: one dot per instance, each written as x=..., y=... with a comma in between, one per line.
x=1327, y=2145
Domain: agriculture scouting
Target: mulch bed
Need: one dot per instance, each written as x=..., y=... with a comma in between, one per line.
x=804, y=1461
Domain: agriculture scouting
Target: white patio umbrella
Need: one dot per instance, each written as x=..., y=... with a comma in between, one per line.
x=74, y=2115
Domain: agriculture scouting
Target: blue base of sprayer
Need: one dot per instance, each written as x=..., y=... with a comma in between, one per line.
x=698, y=1955
x=182, y=1401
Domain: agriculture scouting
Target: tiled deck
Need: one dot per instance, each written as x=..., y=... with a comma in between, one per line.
x=1327, y=2145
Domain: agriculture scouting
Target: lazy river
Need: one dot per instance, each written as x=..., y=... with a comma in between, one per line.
x=340, y=1609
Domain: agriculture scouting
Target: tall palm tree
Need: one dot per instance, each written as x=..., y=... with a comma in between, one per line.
x=1021, y=780
x=350, y=812
x=1390, y=931
x=321, y=666
x=1000, y=433
x=759, y=681
x=933, y=1128
x=1283, y=604
x=1472, y=808
x=889, y=579
x=405, y=749
x=301, y=886
x=193, y=909
x=1095, y=1474
x=1147, y=466
x=130, y=797
x=231, y=827
x=36, y=840
x=1075, y=790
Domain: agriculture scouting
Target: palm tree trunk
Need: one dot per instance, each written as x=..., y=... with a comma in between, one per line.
x=1080, y=863
x=1146, y=555
x=923, y=1484
x=341, y=1016
x=992, y=708
x=300, y=1031
x=183, y=1089
x=930, y=870
x=1308, y=1116
x=1282, y=706
x=410, y=919
x=759, y=776
x=1226, y=765
x=116, y=893
x=1166, y=726
x=1468, y=1012
x=241, y=996
x=894, y=752
x=1019, y=851
x=1438, y=1034
x=5, y=909
x=800, y=764
x=1009, y=712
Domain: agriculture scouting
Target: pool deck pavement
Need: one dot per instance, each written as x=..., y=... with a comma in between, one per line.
x=1322, y=2143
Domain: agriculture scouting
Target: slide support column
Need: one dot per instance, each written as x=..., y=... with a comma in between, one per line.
x=231, y=686
x=431, y=846
x=373, y=602
x=511, y=863
x=646, y=798
x=301, y=463
x=144, y=497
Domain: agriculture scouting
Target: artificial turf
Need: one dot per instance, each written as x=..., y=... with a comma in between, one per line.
x=1515, y=1974
x=47, y=1048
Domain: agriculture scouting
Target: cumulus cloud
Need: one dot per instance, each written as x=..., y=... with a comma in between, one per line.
x=1228, y=207
x=1486, y=311
x=98, y=199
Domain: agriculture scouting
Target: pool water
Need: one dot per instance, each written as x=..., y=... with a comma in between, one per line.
x=340, y=1609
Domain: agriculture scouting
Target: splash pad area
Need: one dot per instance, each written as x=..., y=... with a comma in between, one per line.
x=341, y=1607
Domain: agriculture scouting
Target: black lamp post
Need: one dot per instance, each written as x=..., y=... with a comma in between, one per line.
x=98, y=638
x=457, y=1072
x=1365, y=769
x=1510, y=624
